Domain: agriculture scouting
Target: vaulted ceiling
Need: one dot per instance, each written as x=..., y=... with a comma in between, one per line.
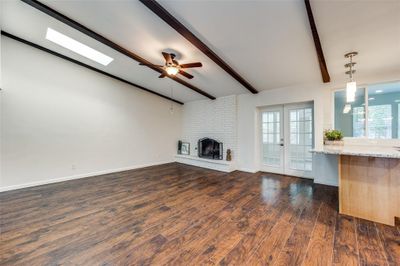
x=269, y=43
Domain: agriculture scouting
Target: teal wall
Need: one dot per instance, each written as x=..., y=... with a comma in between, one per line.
x=344, y=122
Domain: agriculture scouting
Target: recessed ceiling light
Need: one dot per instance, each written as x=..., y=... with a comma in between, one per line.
x=371, y=99
x=378, y=91
x=77, y=47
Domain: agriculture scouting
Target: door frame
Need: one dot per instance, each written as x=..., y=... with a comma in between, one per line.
x=284, y=169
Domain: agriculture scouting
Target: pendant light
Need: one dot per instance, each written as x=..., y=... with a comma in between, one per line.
x=351, y=86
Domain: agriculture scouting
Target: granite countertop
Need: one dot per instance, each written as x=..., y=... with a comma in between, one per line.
x=361, y=150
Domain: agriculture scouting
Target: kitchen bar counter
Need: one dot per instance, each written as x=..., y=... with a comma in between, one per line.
x=369, y=181
x=361, y=150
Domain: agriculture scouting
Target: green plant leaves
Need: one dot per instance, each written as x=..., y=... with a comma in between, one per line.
x=333, y=134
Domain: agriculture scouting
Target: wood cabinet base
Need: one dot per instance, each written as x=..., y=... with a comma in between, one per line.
x=369, y=188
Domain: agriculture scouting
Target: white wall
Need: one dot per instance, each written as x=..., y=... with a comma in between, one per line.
x=215, y=119
x=1, y=24
x=61, y=121
x=1, y=82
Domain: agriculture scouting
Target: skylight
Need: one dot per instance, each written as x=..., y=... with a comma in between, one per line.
x=77, y=47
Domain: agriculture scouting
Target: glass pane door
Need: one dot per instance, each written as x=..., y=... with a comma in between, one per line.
x=299, y=140
x=286, y=139
x=272, y=139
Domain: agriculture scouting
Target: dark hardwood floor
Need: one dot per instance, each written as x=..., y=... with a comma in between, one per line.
x=181, y=215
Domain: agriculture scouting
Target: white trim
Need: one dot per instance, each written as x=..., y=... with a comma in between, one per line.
x=333, y=183
x=366, y=110
x=248, y=170
x=66, y=178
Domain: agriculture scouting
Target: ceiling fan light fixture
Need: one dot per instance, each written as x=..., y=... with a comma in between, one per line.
x=172, y=70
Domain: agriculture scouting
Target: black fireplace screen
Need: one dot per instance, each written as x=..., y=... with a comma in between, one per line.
x=210, y=148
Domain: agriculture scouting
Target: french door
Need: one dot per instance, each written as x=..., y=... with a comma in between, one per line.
x=286, y=139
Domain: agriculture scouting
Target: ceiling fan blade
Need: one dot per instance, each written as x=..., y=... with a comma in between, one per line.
x=183, y=73
x=190, y=65
x=151, y=65
x=162, y=76
x=167, y=57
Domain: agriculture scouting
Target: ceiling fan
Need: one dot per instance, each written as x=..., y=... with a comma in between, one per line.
x=172, y=67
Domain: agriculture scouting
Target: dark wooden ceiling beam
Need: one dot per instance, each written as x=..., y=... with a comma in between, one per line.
x=318, y=47
x=84, y=65
x=185, y=32
x=72, y=23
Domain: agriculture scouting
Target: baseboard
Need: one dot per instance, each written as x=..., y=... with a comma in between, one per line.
x=332, y=183
x=66, y=178
x=247, y=170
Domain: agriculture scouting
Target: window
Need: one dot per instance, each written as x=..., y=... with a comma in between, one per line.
x=358, y=122
x=301, y=136
x=380, y=121
x=271, y=138
x=350, y=118
x=380, y=103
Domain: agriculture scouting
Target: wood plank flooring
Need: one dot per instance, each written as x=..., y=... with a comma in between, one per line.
x=175, y=214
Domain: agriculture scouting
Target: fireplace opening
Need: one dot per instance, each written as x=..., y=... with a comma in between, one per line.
x=210, y=149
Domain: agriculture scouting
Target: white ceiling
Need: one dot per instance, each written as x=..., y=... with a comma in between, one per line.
x=268, y=42
x=370, y=27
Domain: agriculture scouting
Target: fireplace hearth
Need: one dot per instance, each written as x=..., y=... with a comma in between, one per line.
x=210, y=149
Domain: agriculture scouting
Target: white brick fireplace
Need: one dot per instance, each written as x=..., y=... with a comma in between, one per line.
x=213, y=119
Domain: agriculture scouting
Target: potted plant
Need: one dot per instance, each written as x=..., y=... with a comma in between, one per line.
x=333, y=137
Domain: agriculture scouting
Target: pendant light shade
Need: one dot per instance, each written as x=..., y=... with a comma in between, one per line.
x=351, y=88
